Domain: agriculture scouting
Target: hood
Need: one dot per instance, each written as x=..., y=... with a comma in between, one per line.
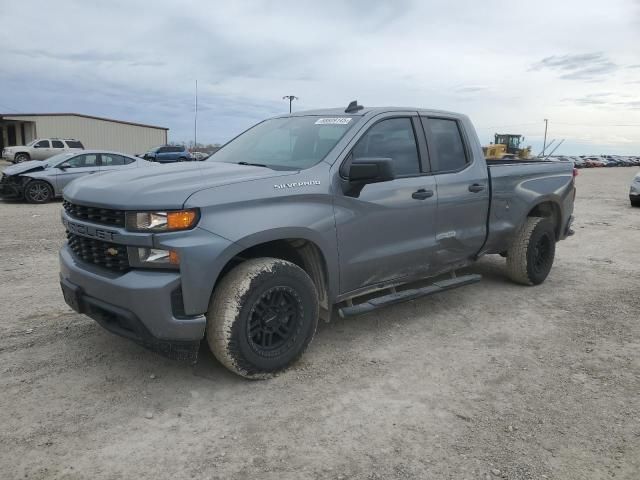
x=166, y=186
x=25, y=167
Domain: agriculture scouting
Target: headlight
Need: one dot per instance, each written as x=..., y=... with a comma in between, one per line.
x=167, y=221
x=153, y=258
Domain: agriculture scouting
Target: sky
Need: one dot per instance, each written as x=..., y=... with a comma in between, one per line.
x=506, y=64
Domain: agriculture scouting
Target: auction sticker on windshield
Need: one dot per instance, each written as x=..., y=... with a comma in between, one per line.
x=333, y=121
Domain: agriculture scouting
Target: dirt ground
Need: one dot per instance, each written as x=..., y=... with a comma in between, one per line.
x=488, y=381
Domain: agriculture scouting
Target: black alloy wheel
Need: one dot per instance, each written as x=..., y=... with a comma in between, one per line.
x=274, y=320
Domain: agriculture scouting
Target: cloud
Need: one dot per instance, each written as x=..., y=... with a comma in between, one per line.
x=471, y=89
x=606, y=99
x=587, y=66
x=86, y=56
x=125, y=60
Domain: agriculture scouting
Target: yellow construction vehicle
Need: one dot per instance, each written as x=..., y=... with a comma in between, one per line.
x=506, y=145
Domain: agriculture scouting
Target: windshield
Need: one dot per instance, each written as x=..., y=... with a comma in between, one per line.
x=32, y=142
x=289, y=143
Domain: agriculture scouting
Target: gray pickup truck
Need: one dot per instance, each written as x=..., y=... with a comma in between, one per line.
x=301, y=217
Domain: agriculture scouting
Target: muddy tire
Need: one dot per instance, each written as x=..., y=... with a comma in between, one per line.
x=530, y=257
x=38, y=191
x=262, y=316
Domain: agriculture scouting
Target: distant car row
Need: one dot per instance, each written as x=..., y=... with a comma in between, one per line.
x=44, y=148
x=600, y=161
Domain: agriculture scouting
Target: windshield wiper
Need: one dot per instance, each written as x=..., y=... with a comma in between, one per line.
x=253, y=164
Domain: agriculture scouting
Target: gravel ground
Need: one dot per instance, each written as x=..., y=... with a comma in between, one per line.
x=492, y=380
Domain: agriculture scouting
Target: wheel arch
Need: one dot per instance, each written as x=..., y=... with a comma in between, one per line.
x=300, y=250
x=38, y=179
x=549, y=208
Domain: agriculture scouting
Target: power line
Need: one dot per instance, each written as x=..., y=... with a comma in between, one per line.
x=599, y=125
x=564, y=123
x=507, y=126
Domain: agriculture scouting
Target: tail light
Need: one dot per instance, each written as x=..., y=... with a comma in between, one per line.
x=575, y=172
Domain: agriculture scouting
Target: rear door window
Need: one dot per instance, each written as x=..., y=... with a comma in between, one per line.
x=446, y=149
x=57, y=144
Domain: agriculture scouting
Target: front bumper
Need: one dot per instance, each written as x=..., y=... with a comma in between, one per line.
x=9, y=156
x=139, y=305
x=11, y=190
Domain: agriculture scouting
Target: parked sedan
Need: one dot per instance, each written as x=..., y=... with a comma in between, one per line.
x=40, y=181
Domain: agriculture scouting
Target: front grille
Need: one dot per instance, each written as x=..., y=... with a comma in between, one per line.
x=105, y=216
x=104, y=254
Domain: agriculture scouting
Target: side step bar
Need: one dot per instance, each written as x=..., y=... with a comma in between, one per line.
x=405, y=295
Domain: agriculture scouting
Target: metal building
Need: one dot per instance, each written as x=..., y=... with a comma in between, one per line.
x=93, y=132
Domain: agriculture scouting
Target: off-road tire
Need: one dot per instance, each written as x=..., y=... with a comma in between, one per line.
x=240, y=298
x=21, y=157
x=38, y=191
x=530, y=256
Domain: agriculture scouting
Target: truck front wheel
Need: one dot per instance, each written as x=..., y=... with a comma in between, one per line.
x=530, y=257
x=262, y=316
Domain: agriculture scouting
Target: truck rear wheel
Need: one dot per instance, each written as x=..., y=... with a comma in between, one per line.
x=262, y=316
x=530, y=257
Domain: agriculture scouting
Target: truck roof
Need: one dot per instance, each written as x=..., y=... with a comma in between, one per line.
x=370, y=110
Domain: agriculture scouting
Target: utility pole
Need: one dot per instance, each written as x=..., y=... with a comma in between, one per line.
x=544, y=144
x=195, y=121
x=291, y=98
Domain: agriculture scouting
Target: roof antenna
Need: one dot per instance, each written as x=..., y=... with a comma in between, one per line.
x=353, y=107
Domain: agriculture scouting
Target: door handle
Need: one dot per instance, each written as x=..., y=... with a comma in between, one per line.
x=476, y=187
x=422, y=194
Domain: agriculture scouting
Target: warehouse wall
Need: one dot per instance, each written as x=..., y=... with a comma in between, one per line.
x=98, y=134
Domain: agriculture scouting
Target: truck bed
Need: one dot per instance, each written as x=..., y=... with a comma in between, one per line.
x=516, y=185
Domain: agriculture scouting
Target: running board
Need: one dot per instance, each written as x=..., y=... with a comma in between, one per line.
x=406, y=295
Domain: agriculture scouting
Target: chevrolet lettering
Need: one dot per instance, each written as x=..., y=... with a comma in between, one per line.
x=88, y=230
